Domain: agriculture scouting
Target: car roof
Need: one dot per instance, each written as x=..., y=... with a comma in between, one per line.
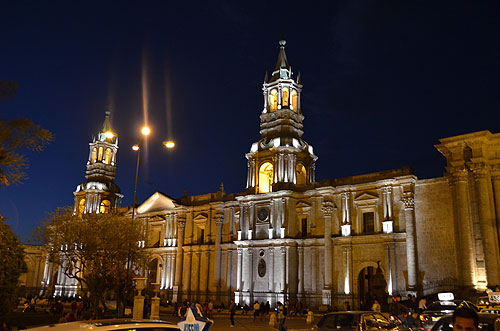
x=482, y=316
x=352, y=312
x=103, y=324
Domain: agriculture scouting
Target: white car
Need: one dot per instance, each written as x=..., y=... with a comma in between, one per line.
x=111, y=324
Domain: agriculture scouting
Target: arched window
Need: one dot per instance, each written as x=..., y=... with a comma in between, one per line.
x=265, y=177
x=300, y=174
x=295, y=105
x=105, y=206
x=273, y=100
x=94, y=154
x=108, y=156
x=285, y=97
x=81, y=206
x=99, y=157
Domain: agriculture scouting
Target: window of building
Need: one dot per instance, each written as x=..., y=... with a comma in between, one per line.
x=304, y=227
x=201, y=236
x=300, y=174
x=265, y=177
x=273, y=100
x=108, y=156
x=94, y=154
x=81, y=206
x=285, y=97
x=369, y=222
x=99, y=157
x=295, y=105
x=105, y=206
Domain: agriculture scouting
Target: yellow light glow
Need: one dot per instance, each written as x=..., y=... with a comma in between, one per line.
x=146, y=131
x=135, y=147
x=169, y=144
x=109, y=134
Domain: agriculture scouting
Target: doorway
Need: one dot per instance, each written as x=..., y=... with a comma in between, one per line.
x=372, y=285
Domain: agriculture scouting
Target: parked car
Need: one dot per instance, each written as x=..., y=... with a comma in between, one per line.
x=484, y=304
x=356, y=320
x=111, y=324
x=487, y=322
x=437, y=309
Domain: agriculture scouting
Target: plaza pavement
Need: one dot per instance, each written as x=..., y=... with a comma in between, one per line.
x=246, y=322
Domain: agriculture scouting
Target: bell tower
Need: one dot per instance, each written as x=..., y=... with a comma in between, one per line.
x=281, y=159
x=99, y=193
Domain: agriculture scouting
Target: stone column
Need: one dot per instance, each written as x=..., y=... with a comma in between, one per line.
x=181, y=224
x=327, y=212
x=206, y=274
x=240, y=270
x=314, y=270
x=271, y=270
x=347, y=270
x=411, y=240
x=219, y=220
x=249, y=275
x=283, y=268
x=390, y=284
x=465, y=243
x=328, y=252
x=495, y=175
x=486, y=220
x=187, y=278
x=300, y=250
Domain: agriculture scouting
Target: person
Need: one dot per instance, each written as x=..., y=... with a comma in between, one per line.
x=232, y=311
x=422, y=304
x=465, y=319
x=376, y=306
x=347, y=306
x=256, y=310
x=210, y=309
x=281, y=317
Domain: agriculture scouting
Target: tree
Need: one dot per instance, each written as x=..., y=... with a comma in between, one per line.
x=94, y=250
x=11, y=262
x=17, y=134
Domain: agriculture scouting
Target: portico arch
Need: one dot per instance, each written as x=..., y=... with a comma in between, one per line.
x=371, y=285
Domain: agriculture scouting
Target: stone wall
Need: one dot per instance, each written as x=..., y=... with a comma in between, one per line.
x=437, y=259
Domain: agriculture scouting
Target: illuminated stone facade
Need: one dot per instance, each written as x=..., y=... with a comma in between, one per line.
x=289, y=237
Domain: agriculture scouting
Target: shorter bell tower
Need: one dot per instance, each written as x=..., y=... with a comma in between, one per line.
x=281, y=159
x=99, y=193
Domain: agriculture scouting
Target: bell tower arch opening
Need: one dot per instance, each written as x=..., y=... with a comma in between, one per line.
x=266, y=177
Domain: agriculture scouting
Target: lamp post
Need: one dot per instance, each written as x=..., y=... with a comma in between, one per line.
x=137, y=147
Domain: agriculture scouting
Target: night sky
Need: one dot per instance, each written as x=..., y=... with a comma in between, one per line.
x=383, y=81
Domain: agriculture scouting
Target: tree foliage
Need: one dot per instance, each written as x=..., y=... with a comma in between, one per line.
x=94, y=249
x=15, y=135
x=11, y=261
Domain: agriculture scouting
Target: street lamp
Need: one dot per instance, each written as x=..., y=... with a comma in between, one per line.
x=136, y=147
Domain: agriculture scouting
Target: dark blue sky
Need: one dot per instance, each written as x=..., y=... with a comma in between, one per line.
x=383, y=81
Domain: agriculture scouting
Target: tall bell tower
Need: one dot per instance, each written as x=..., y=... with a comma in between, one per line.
x=99, y=193
x=281, y=159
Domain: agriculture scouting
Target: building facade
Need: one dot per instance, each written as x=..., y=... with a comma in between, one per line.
x=290, y=237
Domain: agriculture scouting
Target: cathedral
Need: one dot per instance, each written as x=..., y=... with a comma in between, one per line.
x=290, y=237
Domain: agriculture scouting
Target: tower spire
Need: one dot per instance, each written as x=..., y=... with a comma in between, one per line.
x=106, y=125
x=282, y=70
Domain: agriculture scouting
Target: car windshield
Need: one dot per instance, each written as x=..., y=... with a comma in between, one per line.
x=339, y=321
